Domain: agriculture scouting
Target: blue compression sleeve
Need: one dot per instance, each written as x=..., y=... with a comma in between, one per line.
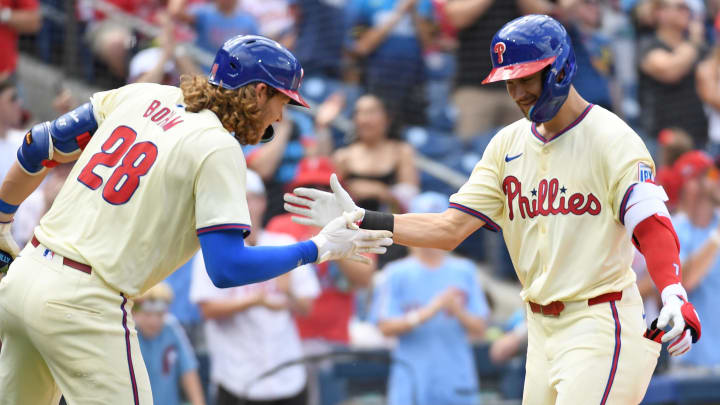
x=230, y=263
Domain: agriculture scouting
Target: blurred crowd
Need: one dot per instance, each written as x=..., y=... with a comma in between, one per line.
x=390, y=81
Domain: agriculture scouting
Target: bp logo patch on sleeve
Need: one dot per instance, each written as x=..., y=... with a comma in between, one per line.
x=644, y=173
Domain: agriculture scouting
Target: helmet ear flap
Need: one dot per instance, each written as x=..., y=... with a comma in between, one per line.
x=268, y=135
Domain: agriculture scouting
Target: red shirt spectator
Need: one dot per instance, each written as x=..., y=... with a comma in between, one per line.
x=330, y=315
x=16, y=17
x=333, y=308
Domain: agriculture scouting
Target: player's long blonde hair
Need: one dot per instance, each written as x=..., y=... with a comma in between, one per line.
x=237, y=109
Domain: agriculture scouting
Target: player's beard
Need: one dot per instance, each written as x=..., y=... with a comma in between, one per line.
x=525, y=108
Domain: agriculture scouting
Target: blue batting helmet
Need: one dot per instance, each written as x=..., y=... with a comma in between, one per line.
x=527, y=45
x=245, y=59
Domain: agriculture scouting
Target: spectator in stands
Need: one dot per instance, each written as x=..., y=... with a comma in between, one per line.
x=168, y=356
x=214, y=22
x=250, y=329
x=707, y=76
x=189, y=317
x=378, y=169
x=16, y=17
x=483, y=107
x=326, y=327
x=433, y=303
x=276, y=161
x=11, y=117
x=698, y=228
x=593, y=52
x=163, y=63
x=513, y=341
x=388, y=39
x=296, y=137
x=667, y=90
x=111, y=41
x=673, y=143
x=320, y=26
x=275, y=19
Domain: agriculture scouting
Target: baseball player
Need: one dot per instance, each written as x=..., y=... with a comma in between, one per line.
x=159, y=174
x=569, y=188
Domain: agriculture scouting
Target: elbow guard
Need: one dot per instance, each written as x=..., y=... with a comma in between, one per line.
x=37, y=149
x=68, y=134
x=646, y=199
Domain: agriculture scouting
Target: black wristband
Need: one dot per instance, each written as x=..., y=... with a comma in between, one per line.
x=378, y=221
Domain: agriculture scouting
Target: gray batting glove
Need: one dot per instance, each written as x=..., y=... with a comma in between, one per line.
x=337, y=241
x=318, y=208
x=7, y=243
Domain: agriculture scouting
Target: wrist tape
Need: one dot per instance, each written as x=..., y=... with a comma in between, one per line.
x=7, y=208
x=380, y=221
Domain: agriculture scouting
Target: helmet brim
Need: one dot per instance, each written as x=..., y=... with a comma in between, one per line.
x=517, y=70
x=295, y=98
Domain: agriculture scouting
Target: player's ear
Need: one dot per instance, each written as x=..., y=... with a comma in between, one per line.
x=261, y=92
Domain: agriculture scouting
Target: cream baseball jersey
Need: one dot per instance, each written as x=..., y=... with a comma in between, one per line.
x=151, y=178
x=560, y=203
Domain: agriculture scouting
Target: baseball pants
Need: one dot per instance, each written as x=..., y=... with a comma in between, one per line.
x=66, y=331
x=590, y=354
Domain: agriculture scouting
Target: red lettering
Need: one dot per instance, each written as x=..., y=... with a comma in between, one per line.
x=593, y=205
x=562, y=208
x=552, y=196
x=160, y=114
x=542, y=194
x=543, y=200
x=534, y=208
x=172, y=123
x=575, y=202
x=511, y=187
x=155, y=104
x=524, y=206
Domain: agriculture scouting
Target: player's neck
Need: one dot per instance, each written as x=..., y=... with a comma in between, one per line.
x=573, y=107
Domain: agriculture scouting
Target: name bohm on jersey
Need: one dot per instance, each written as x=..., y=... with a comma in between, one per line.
x=545, y=201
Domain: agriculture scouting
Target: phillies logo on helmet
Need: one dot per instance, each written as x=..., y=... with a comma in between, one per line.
x=499, y=49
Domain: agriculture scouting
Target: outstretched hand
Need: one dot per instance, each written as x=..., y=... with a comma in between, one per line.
x=338, y=240
x=318, y=208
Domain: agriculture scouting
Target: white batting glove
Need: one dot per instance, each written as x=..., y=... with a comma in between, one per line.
x=337, y=241
x=318, y=208
x=7, y=243
x=683, y=318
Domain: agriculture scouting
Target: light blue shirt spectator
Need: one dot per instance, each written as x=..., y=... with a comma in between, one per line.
x=168, y=356
x=214, y=28
x=186, y=312
x=434, y=362
x=705, y=296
